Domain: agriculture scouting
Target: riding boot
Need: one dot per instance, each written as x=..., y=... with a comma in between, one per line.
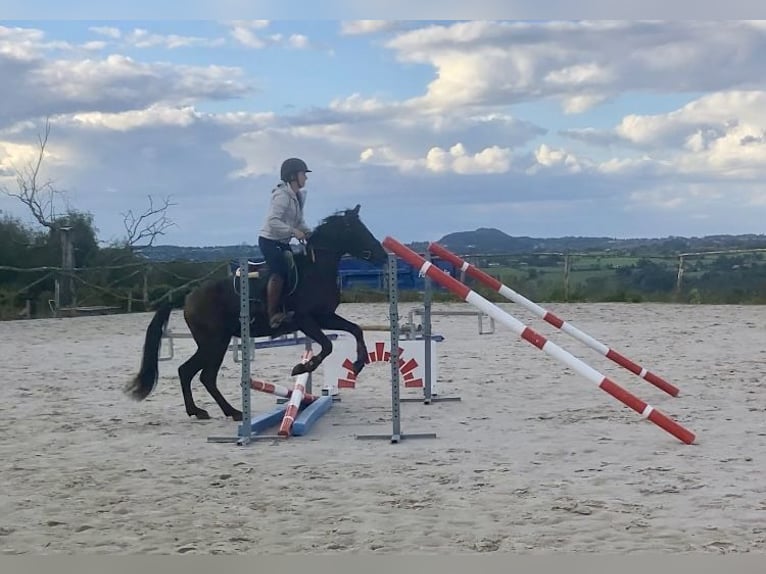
x=273, y=296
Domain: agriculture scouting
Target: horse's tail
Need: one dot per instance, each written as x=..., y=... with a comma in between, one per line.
x=144, y=382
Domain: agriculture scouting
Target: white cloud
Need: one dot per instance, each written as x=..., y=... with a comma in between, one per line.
x=131, y=120
x=549, y=158
x=59, y=86
x=386, y=135
x=94, y=45
x=251, y=34
x=581, y=63
x=124, y=127
x=15, y=157
x=298, y=41
x=718, y=111
x=489, y=160
x=243, y=31
x=24, y=45
x=108, y=31
x=245, y=34
x=456, y=159
x=142, y=38
x=250, y=24
x=365, y=27
x=720, y=135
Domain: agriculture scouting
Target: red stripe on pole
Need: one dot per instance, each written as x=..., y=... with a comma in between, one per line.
x=437, y=249
x=636, y=369
x=661, y=383
x=450, y=283
x=655, y=416
x=624, y=361
x=407, y=254
x=471, y=270
x=553, y=320
x=417, y=262
x=622, y=395
x=533, y=337
x=262, y=386
x=285, y=429
x=279, y=390
x=476, y=273
x=671, y=426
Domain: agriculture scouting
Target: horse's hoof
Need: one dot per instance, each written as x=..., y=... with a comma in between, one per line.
x=201, y=414
x=236, y=415
x=299, y=369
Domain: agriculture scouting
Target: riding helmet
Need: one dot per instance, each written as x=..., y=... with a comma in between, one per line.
x=292, y=166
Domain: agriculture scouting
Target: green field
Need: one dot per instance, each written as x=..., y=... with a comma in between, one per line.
x=720, y=278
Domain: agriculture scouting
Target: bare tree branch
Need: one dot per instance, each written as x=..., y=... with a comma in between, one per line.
x=149, y=225
x=38, y=196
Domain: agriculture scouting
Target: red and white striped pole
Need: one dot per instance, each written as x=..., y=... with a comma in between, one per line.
x=534, y=338
x=279, y=390
x=549, y=317
x=294, y=404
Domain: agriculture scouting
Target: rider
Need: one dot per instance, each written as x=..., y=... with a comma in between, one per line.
x=283, y=222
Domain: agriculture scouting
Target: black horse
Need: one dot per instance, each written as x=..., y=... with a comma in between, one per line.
x=212, y=311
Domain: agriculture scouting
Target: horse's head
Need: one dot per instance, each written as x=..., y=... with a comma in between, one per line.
x=344, y=232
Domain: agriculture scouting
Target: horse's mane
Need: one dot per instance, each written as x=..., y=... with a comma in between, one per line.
x=333, y=221
x=324, y=224
x=333, y=217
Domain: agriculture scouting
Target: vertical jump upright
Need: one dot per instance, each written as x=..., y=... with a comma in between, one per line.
x=245, y=430
x=428, y=395
x=393, y=309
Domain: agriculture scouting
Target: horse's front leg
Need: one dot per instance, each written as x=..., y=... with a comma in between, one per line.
x=337, y=323
x=313, y=331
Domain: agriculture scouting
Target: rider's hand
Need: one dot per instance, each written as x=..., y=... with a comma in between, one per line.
x=299, y=235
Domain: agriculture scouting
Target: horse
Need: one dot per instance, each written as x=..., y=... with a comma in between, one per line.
x=312, y=293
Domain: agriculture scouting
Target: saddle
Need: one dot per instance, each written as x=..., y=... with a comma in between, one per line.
x=258, y=275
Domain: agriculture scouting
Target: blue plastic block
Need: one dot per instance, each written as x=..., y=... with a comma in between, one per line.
x=311, y=414
x=263, y=421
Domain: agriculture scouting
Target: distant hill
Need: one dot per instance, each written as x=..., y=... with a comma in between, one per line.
x=493, y=241
x=488, y=240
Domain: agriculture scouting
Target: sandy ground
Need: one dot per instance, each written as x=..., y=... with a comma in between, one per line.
x=533, y=459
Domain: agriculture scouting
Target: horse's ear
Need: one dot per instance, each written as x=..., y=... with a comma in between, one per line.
x=356, y=209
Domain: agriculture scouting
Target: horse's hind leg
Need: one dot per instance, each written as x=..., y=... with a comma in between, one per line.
x=209, y=376
x=186, y=373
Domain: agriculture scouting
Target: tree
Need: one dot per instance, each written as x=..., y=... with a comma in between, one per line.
x=38, y=197
x=148, y=226
x=70, y=226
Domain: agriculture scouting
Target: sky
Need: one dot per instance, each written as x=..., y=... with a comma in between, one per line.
x=543, y=128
